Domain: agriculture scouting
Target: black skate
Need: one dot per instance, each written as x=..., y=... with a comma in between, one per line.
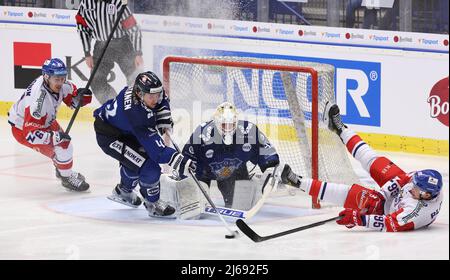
x=288, y=177
x=332, y=117
x=159, y=209
x=130, y=199
x=75, y=182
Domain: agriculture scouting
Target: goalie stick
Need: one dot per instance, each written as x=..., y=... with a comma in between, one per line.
x=257, y=238
x=233, y=233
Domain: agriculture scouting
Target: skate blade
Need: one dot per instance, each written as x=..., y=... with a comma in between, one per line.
x=121, y=201
x=76, y=191
x=170, y=217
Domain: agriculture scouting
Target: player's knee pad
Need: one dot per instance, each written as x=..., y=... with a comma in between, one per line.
x=63, y=157
x=382, y=170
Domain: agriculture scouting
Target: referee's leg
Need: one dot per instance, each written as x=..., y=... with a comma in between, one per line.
x=125, y=58
x=101, y=89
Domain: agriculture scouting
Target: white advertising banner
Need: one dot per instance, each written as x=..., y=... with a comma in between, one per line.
x=386, y=82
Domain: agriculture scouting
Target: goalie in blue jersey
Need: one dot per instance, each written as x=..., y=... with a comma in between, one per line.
x=222, y=150
x=128, y=128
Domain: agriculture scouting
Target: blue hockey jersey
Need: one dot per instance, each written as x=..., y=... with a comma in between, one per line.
x=217, y=161
x=132, y=117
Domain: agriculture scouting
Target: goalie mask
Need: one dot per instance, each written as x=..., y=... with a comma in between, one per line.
x=225, y=119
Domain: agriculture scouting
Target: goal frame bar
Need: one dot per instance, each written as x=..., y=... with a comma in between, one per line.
x=261, y=66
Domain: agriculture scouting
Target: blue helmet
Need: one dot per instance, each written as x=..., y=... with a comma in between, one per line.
x=54, y=67
x=428, y=180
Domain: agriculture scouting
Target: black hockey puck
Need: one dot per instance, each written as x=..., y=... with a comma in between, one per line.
x=231, y=236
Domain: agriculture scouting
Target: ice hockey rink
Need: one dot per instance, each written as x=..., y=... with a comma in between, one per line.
x=41, y=220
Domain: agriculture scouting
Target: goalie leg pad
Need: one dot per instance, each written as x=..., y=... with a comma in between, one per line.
x=246, y=194
x=185, y=194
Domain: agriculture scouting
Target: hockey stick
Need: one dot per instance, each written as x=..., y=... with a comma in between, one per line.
x=241, y=214
x=257, y=238
x=233, y=233
x=96, y=66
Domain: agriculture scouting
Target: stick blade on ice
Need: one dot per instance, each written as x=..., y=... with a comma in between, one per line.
x=248, y=231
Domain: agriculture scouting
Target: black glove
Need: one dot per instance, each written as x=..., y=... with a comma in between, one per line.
x=164, y=125
x=60, y=138
x=180, y=163
x=84, y=92
x=86, y=99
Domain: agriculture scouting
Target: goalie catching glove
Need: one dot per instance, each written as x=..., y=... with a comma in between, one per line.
x=180, y=163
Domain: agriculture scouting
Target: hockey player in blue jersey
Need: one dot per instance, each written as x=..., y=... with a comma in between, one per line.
x=128, y=128
x=221, y=149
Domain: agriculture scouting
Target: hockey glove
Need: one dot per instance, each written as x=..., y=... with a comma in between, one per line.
x=179, y=163
x=374, y=203
x=83, y=95
x=351, y=218
x=60, y=138
x=164, y=125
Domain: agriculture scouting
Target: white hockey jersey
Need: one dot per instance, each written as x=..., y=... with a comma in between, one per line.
x=35, y=112
x=402, y=211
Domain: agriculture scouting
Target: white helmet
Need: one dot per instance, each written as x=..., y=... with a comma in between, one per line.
x=225, y=119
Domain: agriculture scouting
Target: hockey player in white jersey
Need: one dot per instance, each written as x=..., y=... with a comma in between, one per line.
x=33, y=120
x=406, y=201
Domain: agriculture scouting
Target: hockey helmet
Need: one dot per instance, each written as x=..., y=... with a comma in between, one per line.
x=54, y=67
x=428, y=180
x=147, y=83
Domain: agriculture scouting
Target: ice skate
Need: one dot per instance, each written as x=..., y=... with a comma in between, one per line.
x=74, y=182
x=130, y=199
x=160, y=209
x=332, y=118
x=288, y=177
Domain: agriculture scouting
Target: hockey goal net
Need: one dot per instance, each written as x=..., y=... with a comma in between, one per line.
x=284, y=98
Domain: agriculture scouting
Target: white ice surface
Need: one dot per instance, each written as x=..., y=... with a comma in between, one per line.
x=40, y=220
